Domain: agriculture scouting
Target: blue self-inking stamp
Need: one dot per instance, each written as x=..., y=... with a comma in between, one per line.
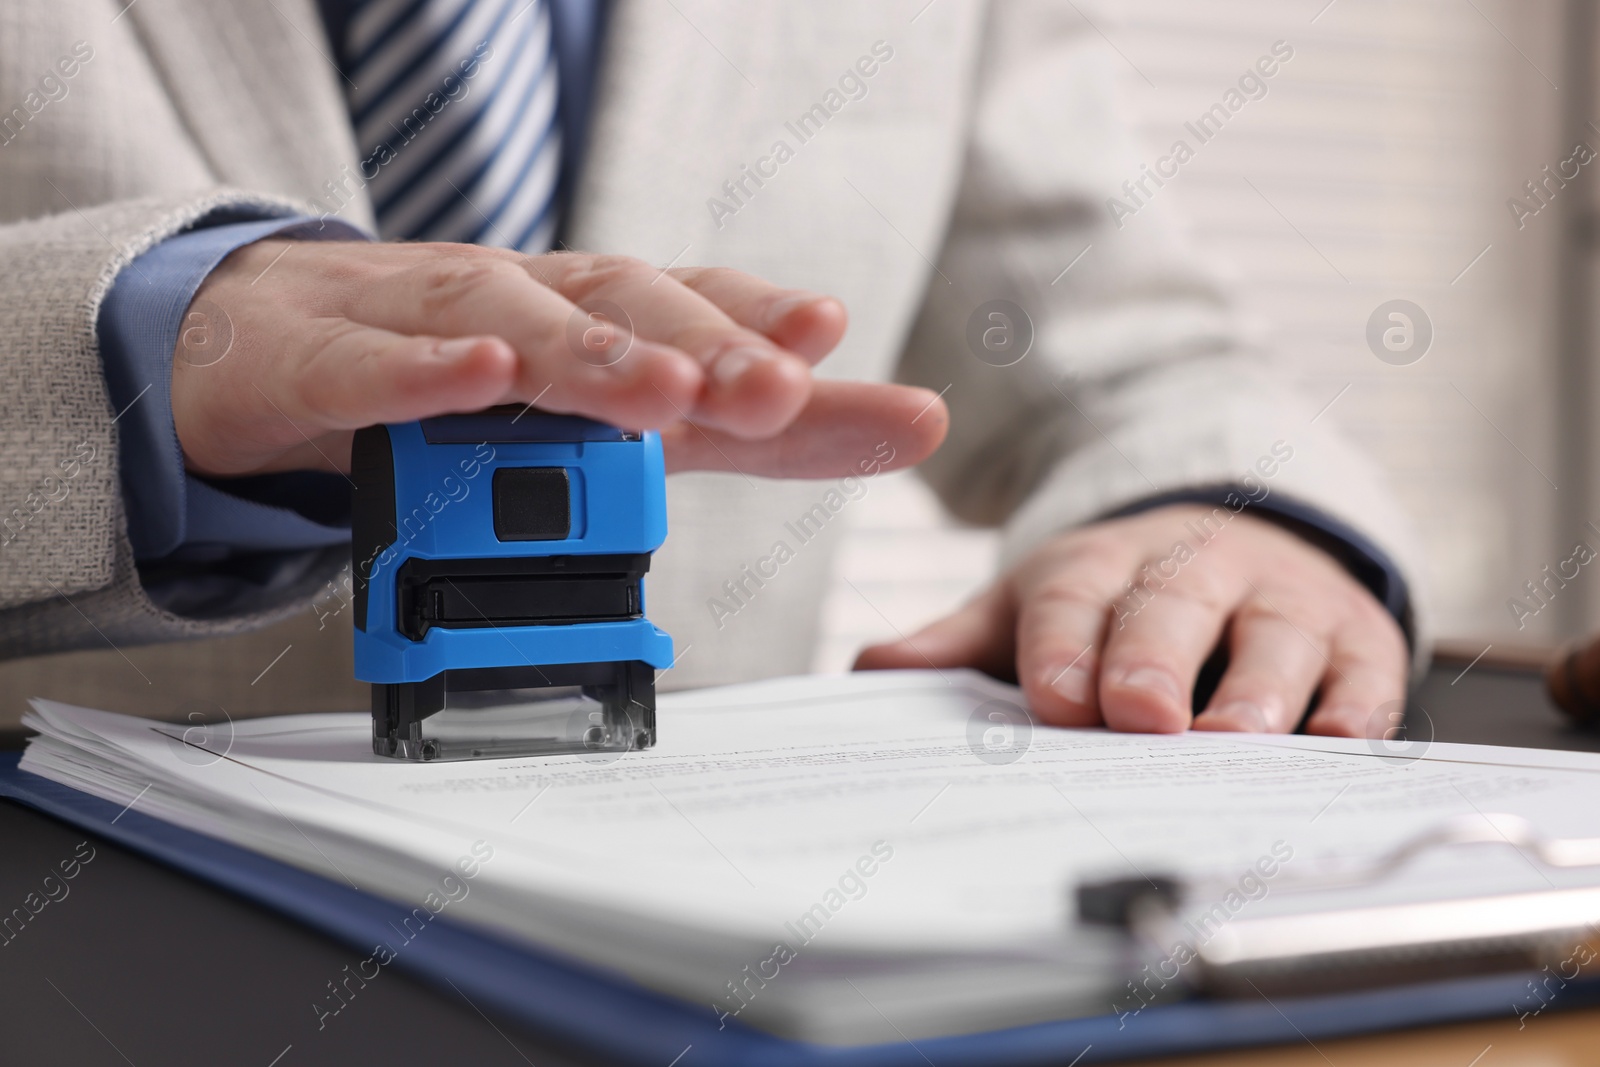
x=498, y=566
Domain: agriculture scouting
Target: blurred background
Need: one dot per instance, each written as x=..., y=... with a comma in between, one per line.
x=1379, y=166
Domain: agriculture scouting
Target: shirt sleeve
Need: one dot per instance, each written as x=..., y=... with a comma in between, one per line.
x=173, y=516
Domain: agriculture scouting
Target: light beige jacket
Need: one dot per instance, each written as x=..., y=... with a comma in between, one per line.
x=973, y=164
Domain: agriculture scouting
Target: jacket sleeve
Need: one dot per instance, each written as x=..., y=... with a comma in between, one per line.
x=173, y=515
x=67, y=573
x=1115, y=371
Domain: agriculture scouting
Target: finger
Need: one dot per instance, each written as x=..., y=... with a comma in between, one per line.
x=753, y=387
x=365, y=375
x=1367, y=679
x=359, y=375
x=980, y=634
x=1273, y=668
x=858, y=428
x=471, y=293
x=1159, y=637
x=1061, y=624
x=806, y=323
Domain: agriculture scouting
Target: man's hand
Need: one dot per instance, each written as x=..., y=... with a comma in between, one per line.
x=327, y=337
x=1087, y=651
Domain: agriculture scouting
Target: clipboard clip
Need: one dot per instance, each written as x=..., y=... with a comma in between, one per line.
x=1221, y=954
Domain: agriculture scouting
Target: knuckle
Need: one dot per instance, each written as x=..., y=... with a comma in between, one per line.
x=443, y=283
x=1093, y=548
x=1065, y=592
x=708, y=276
x=1083, y=551
x=1052, y=644
x=599, y=273
x=1257, y=610
x=1206, y=589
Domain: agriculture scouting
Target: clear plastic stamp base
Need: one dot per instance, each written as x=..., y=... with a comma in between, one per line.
x=572, y=709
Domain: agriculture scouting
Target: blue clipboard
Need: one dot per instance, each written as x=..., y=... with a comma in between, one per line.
x=619, y=1021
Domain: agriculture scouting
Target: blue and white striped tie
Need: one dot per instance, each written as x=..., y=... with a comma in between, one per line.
x=462, y=94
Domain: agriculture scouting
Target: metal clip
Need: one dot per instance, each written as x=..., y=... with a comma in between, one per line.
x=1362, y=947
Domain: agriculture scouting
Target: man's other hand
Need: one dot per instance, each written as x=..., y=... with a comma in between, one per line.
x=1112, y=623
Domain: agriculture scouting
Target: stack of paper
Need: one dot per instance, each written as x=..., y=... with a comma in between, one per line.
x=841, y=859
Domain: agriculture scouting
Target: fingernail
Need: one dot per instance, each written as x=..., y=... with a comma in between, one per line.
x=780, y=308
x=1240, y=715
x=1073, y=684
x=455, y=348
x=1154, y=680
x=732, y=365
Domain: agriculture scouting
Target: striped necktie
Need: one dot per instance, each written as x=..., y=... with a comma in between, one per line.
x=455, y=108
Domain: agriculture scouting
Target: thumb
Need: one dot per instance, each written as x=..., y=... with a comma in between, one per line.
x=251, y=414
x=982, y=633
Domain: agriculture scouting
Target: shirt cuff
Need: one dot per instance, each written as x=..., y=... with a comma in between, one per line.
x=1365, y=561
x=173, y=515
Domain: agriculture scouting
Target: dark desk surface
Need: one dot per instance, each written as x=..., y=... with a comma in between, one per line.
x=1494, y=702
x=140, y=965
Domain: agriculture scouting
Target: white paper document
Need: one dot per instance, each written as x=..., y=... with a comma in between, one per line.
x=833, y=858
